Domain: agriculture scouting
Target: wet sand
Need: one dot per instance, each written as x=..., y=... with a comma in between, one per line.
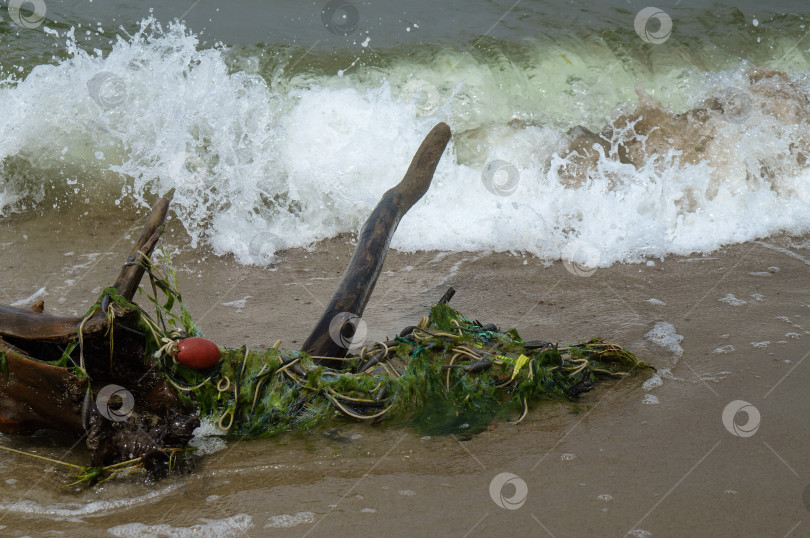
x=604, y=465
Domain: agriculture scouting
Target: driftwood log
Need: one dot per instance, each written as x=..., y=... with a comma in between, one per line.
x=350, y=299
x=37, y=395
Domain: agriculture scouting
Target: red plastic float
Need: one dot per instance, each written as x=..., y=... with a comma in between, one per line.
x=198, y=353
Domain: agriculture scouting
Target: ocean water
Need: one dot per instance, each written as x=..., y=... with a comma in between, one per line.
x=279, y=126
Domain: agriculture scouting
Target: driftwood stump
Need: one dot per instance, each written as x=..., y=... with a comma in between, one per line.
x=35, y=394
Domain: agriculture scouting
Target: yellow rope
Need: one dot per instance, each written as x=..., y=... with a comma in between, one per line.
x=284, y=368
x=349, y=398
x=609, y=373
x=452, y=360
x=470, y=352
x=90, y=314
x=227, y=380
x=522, y=415
x=464, y=351
x=37, y=456
x=189, y=389
x=110, y=329
x=321, y=357
x=230, y=411
x=390, y=370
x=355, y=415
x=258, y=385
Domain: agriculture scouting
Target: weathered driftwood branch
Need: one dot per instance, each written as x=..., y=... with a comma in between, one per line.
x=35, y=394
x=28, y=324
x=127, y=282
x=366, y=263
x=38, y=395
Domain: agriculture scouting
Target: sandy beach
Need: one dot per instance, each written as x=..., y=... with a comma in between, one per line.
x=610, y=463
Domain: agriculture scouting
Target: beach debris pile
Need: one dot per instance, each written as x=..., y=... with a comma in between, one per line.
x=442, y=375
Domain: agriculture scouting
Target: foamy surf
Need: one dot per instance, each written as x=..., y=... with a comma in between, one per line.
x=76, y=511
x=264, y=158
x=237, y=525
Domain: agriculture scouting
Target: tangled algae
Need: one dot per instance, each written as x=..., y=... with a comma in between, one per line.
x=437, y=375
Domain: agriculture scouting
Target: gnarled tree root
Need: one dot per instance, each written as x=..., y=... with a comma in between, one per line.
x=36, y=395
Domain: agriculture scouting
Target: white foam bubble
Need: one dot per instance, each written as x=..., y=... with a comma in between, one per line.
x=238, y=304
x=236, y=525
x=650, y=399
x=41, y=292
x=663, y=334
x=207, y=438
x=732, y=300
x=716, y=377
x=76, y=510
x=286, y=521
x=653, y=382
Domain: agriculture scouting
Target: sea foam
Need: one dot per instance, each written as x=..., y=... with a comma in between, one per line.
x=262, y=160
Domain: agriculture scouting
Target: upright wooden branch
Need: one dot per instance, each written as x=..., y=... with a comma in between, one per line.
x=127, y=282
x=35, y=394
x=366, y=263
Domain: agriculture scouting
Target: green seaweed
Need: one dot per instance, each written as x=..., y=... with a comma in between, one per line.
x=449, y=374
